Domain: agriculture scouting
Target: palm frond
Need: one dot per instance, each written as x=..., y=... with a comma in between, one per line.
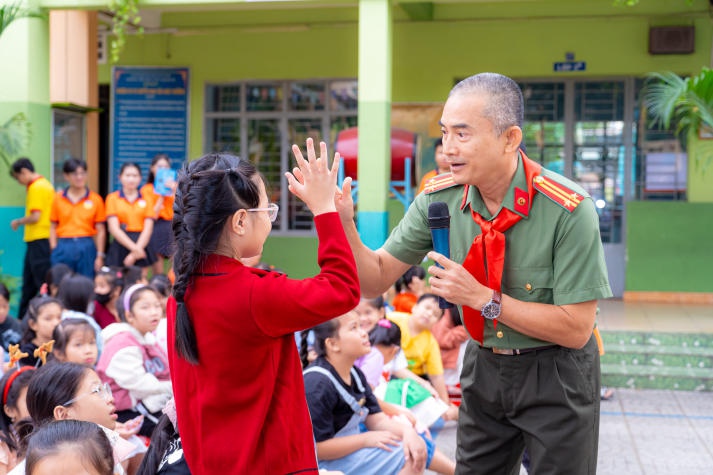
x=662, y=96
x=14, y=11
x=15, y=135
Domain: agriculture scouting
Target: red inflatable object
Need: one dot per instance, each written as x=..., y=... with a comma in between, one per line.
x=403, y=145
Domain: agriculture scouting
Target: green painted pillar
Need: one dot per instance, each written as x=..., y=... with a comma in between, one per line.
x=375, y=26
x=700, y=170
x=24, y=88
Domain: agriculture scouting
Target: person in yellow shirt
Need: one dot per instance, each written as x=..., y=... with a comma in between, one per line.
x=40, y=194
x=418, y=343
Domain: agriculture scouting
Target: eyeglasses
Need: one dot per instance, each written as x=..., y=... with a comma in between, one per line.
x=271, y=209
x=103, y=390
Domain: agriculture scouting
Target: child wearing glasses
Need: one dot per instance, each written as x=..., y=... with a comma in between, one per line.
x=132, y=362
x=238, y=383
x=63, y=391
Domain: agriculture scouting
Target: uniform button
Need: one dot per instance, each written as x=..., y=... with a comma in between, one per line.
x=528, y=286
x=499, y=334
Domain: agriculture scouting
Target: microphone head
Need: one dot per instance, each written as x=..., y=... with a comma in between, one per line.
x=438, y=216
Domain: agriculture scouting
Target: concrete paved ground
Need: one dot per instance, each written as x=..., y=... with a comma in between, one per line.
x=645, y=432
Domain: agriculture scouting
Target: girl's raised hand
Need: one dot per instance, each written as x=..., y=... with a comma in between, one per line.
x=312, y=180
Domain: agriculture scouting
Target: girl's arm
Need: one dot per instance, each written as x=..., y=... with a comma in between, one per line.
x=53, y=236
x=338, y=447
x=394, y=410
x=439, y=383
x=414, y=446
x=127, y=369
x=145, y=235
x=119, y=234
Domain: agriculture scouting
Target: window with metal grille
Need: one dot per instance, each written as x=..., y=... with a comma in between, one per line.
x=260, y=120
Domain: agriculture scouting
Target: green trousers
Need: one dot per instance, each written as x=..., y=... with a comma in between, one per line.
x=547, y=401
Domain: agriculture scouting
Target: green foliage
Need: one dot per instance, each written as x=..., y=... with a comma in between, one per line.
x=683, y=103
x=14, y=11
x=12, y=283
x=126, y=12
x=15, y=135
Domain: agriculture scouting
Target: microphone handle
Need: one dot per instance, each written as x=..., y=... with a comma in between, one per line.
x=441, y=244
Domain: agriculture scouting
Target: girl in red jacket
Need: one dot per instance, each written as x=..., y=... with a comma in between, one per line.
x=234, y=365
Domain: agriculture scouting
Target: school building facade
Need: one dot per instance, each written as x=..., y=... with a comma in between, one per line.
x=261, y=75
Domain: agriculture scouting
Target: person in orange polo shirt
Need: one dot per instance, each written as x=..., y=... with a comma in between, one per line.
x=36, y=221
x=441, y=165
x=130, y=220
x=161, y=243
x=77, y=229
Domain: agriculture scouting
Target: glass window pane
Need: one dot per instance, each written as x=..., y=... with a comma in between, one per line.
x=224, y=135
x=299, y=215
x=264, y=151
x=263, y=97
x=224, y=98
x=305, y=96
x=343, y=95
x=67, y=142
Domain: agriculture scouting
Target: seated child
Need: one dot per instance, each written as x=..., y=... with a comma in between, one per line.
x=340, y=400
x=43, y=314
x=10, y=328
x=14, y=390
x=75, y=342
x=420, y=346
x=108, y=285
x=69, y=446
x=409, y=287
x=132, y=362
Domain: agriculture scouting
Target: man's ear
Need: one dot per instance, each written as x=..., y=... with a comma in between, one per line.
x=60, y=413
x=513, y=134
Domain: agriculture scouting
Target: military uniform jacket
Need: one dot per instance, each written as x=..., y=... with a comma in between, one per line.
x=553, y=255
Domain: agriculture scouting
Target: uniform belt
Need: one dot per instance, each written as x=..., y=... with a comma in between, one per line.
x=518, y=351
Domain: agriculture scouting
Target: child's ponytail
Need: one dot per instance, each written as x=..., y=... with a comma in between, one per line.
x=304, y=348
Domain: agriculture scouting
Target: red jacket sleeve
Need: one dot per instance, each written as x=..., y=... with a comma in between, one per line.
x=285, y=306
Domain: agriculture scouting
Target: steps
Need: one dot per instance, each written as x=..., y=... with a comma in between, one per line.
x=682, y=361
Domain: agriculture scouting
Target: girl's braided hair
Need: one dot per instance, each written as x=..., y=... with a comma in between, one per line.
x=210, y=190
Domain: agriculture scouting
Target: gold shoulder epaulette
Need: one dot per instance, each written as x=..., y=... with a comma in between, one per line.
x=439, y=182
x=557, y=192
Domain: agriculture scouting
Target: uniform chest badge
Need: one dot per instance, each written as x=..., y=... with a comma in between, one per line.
x=141, y=203
x=88, y=204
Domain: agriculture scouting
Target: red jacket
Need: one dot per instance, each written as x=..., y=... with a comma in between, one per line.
x=242, y=409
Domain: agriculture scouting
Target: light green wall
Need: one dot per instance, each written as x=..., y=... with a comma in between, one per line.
x=669, y=246
x=427, y=58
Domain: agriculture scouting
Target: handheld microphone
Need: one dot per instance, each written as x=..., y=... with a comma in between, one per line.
x=439, y=222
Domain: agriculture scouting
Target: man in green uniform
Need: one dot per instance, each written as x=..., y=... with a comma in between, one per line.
x=526, y=267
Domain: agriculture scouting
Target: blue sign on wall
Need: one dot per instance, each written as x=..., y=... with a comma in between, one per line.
x=150, y=116
x=566, y=66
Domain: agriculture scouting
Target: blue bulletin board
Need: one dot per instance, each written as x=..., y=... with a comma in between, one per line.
x=149, y=116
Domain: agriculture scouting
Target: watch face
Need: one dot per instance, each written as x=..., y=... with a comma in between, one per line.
x=491, y=310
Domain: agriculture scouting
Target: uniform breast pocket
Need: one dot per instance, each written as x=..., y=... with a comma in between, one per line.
x=529, y=284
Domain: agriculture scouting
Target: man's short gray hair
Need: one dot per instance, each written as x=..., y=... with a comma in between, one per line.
x=505, y=105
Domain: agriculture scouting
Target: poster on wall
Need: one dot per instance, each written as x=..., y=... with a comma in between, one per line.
x=149, y=116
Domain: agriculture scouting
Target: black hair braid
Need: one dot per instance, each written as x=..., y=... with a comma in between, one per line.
x=209, y=191
x=304, y=347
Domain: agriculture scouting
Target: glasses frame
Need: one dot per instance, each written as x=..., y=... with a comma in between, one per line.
x=272, y=209
x=103, y=390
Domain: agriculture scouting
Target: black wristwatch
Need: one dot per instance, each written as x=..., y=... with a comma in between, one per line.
x=491, y=310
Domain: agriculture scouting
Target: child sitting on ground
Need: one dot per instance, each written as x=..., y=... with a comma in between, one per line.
x=43, y=314
x=340, y=399
x=14, y=390
x=420, y=346
x=133, y=363
x=10, y=328
x=75, y=342
x=69, y=446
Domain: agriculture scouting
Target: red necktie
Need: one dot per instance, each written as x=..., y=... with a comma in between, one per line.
x=486, y=256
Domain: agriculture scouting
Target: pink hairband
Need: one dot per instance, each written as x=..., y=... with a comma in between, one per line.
x=384, y=322
x=127, y=296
